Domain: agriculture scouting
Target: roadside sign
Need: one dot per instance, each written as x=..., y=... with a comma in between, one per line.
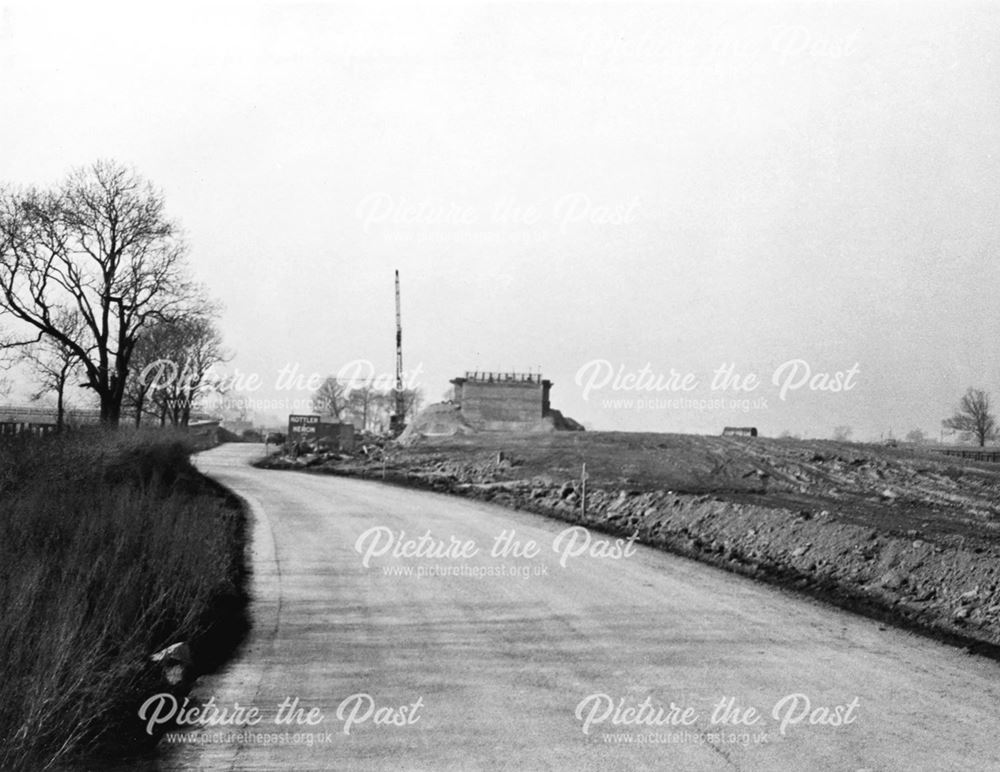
x=302, y=427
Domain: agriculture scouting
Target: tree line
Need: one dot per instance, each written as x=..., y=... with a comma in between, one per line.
x=95, y=287
x=367, y=407
x=973, y=420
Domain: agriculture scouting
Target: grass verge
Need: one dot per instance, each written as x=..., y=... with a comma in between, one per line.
x=112, y=547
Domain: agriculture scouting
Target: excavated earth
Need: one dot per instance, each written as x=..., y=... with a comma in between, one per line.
x=902, y=534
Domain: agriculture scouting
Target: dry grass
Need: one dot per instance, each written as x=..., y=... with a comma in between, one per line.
x=111, y=547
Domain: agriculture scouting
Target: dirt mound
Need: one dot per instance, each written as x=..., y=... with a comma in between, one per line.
x=561, y=423
x=439, y=420
x=553, y=421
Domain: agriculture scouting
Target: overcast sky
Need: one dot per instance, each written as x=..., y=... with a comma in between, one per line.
x=675, y=186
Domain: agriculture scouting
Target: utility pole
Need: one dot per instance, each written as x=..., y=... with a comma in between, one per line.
x=397, y=420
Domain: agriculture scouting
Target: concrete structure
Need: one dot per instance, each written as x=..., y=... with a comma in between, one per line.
x=204, y=433
x=491, y=401
x=739, y=431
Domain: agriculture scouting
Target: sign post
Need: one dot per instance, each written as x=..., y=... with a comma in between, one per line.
x=302, y=428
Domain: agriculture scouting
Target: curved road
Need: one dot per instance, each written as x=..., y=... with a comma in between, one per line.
x=481, y=667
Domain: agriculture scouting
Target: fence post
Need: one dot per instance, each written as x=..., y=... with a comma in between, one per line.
x=583, y=491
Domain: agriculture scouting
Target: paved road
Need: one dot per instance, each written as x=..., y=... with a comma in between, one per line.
x=489, y=671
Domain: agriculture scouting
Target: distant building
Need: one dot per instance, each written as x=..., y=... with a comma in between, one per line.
x=23, y=419
x=491, y=401
x=740, y=431
x=204, y=433
x=236, y=426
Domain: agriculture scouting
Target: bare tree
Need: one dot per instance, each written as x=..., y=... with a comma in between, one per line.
x=99, y=244
x=145, y=356
x=203, y=350
x=8, y=358
x=368, y=407
x=973, y=417
x=330, y=399
x=54, y=363
x=154, y=369
x=842, y=433
x=186, y=351
x=413, y=399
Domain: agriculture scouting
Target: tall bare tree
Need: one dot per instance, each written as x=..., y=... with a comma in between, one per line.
x=973, y=416
x=99, y=244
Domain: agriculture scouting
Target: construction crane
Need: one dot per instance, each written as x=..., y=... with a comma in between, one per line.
x=397, y=420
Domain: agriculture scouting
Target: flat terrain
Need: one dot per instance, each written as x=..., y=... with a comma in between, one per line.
x=500, y=664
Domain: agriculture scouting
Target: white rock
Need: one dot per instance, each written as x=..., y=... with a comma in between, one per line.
x=175, y=661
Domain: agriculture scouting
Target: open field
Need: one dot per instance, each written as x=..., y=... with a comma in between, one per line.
x=897, y=490
x=903, y=534
x=112, y=547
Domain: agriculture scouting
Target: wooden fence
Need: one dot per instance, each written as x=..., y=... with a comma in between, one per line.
x=991, y=456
